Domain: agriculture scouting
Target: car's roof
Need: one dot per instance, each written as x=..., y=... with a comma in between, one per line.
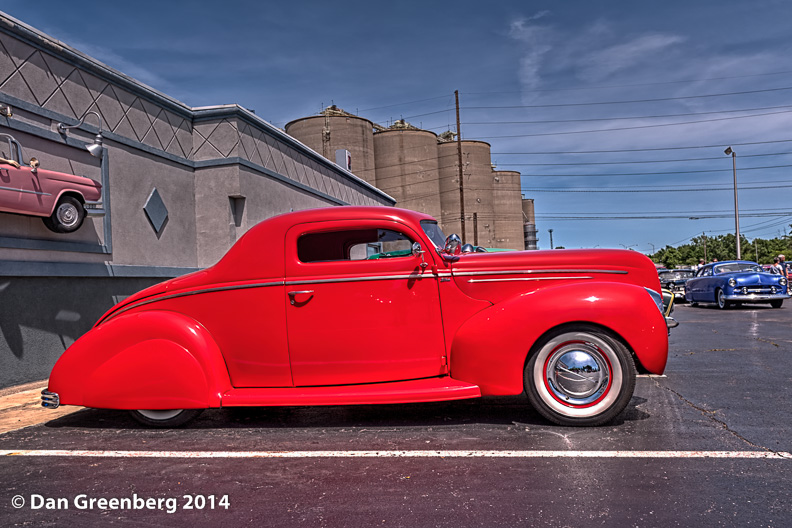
x=349, y=212
x=733, y=262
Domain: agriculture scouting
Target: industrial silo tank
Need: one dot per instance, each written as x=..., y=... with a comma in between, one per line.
x=477, y=177
x=507, y=199
x=406, y=165
x=339, y=130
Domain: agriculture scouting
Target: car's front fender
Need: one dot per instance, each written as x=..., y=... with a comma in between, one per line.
x=491, y=348
x=145, y=360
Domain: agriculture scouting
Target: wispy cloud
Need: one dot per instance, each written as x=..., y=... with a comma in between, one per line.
x=536, y=41
x=641, y=50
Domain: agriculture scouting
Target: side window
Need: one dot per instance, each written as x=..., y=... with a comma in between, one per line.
x=353, y=244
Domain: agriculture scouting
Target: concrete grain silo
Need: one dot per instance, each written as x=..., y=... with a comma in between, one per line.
x=508, y=210
x=529, y=224
x=478, y=183
x=405, y=159
x=335, y=129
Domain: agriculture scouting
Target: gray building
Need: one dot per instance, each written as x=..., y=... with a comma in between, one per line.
x=179, y=186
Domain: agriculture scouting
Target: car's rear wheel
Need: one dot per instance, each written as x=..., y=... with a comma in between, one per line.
x=67, y=217
x=720, y=298
x=777, y=303
x=165, y=418
x=579, y=376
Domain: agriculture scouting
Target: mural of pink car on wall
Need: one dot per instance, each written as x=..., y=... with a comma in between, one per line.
x=58, y=198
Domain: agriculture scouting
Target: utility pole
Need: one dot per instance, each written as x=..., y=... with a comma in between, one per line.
x=704, y=234
x=475, y=229
x=551, y=238
x=459, y=161
x=730, y=152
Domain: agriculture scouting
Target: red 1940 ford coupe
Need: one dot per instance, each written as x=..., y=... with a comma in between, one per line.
x=365, y=305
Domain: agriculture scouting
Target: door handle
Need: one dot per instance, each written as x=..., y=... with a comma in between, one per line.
x=293, y=294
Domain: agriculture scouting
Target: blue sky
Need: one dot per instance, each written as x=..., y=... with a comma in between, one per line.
x=544, y=82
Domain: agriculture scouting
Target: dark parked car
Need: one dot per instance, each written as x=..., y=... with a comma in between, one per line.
x=674, y=281
x=736, y=282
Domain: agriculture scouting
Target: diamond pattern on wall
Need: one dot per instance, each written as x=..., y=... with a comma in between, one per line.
x=45, y=80
x=156, y=211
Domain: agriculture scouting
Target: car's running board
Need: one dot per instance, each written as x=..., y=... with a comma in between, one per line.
x=423, y=390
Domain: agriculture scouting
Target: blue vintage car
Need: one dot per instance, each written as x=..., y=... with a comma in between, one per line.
x=736, y=282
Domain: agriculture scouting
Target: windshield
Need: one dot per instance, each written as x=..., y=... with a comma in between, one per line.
x=736, y=267
x=434, y=233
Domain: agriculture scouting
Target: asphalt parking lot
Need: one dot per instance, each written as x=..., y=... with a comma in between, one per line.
x=707, y=445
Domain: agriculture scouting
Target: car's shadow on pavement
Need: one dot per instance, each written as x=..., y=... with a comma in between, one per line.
x=742, y=307
x=485, y=411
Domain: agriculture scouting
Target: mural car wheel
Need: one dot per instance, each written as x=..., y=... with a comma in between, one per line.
x=777, y=303
x=579, y=376
x=165, y=418
x=67, y=217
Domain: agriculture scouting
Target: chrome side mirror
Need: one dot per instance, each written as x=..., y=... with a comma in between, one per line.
x=468, y=248
x=417, y=251
x=34, y=165
x=452, y=245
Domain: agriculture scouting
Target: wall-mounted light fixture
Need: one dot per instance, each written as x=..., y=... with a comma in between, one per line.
x=96, y=148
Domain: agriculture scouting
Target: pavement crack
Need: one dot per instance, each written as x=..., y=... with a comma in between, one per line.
x=711, y=415
x=768, y=341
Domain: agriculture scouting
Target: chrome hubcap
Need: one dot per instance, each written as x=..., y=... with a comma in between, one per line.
x=577, y=373
x=67, y=214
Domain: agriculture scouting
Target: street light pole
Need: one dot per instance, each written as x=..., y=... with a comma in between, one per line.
x=729, y=151
x=551, y=238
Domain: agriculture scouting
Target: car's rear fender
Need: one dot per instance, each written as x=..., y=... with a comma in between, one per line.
x=145, y=360
x=491, y=348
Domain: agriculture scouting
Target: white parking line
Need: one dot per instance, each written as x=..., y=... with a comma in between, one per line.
x=398, y=454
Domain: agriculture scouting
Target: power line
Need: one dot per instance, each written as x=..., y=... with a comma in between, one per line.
x=569, y=132
x=654, y=217
x=633, y=85
x=629, y=101
x=649, y=173
x=641, y=150
x=642, y=161
x=625, y=117
x=660, y=190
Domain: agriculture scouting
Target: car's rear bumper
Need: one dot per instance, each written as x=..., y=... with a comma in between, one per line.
x=50, y=400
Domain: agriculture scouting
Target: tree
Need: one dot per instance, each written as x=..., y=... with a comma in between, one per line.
x=722, y=247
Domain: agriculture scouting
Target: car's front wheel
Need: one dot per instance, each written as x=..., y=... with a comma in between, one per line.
x=67, y=217
x=777, y=303
x=579, y=376
x=720, y=298
x=165, y=418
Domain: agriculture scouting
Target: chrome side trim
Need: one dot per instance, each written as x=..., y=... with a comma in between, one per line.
x=529, y=279
x=24, y=191
x=361, y=279
x=534, y=272
x=158, y=298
